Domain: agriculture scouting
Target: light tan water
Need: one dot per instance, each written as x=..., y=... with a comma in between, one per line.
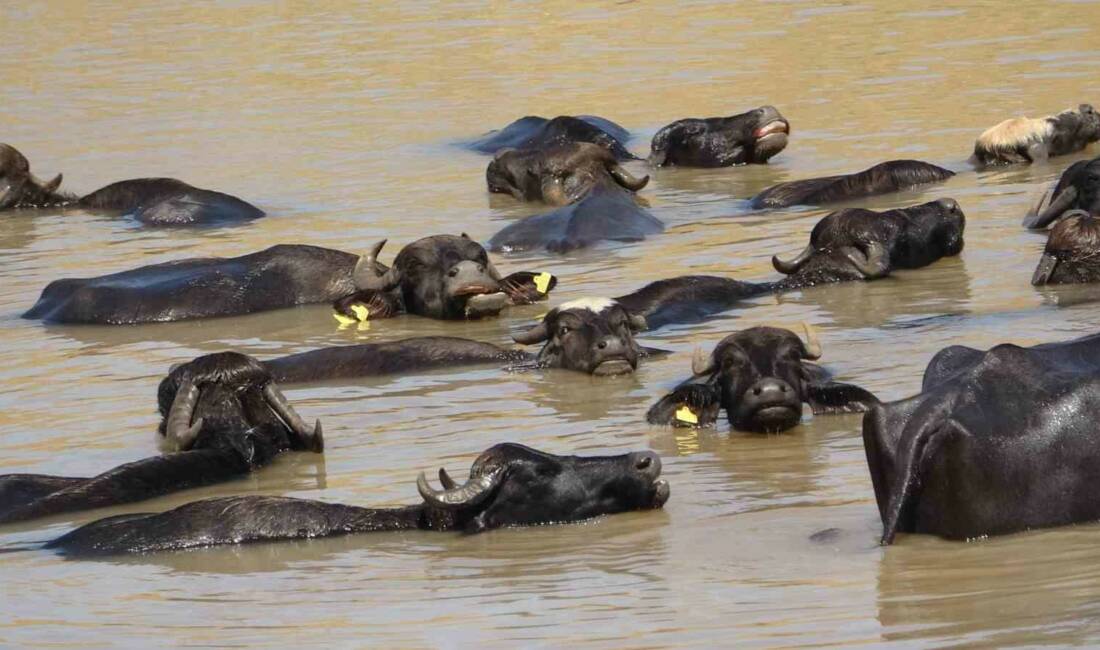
x=340, y=122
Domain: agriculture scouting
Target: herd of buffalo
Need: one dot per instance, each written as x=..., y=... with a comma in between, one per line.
x=997, y=441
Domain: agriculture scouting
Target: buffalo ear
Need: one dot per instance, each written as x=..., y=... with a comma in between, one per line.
x=526, y=287
x=637, y=322
x=688, y=405
x=834, y=397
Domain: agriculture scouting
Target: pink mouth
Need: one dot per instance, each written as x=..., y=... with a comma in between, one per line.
x=771, y=128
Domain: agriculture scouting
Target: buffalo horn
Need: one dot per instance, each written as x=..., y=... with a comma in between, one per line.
x=813, y=345
x=178, y=428
x=1058, y=205
x=312, y=438
x=366, y=276
x=701, y=363
x=536, y=334
x=469, y=493
x=625, y=178
x=789, y=267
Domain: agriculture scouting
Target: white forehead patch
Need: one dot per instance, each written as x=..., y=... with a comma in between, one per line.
x=592, y=304
x=1019, y=130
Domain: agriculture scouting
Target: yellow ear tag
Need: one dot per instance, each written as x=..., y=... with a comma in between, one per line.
x=542, y=282
x=343, y=320
x=686, y=415
x=360, y=311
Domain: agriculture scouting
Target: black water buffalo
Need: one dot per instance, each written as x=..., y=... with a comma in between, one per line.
x=1025, y=140
x=883, y=178
x=861, y=244
x=222, y=417
x=996, y=442
x=509, y=485
x=440, y=277
x=538, y=132
x=559, y=174
x=593, y=335
x=154, y=201
x=1072, y=252
x=1077, y=189
x=761, y=377
x=609, y=215
x=751, y=137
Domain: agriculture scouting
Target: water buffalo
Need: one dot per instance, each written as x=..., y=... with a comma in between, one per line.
x=440, y=277
x=761, y=377
x=861, y=244
x=1072, y=253
x=1025, y=140
x=1077, y=189
x=154, y=201
x=996, y=442
x=593, y=335
x=509, y=485
x=612, y=214
x=883, y=178
x=222, y=417
x=751, y=137
x=538, y=132
x=559, y=174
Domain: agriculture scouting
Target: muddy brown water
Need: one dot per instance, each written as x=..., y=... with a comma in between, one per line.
x=340, y=122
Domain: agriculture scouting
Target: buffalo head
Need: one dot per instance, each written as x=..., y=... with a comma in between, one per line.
x=19, y=188
x=761, y=378
x=559, y=174
x=229, y=400
x=1077, y=189
x=442, y=276
x=751, y=137
x=514, y=485
x=593, y=335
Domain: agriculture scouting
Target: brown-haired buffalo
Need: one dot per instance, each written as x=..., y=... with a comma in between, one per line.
x=508, y=485
x=1025, y=140
x=1072, y=252
x=1078, y=188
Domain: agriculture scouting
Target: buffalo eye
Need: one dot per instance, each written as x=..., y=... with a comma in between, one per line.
x=563, y=330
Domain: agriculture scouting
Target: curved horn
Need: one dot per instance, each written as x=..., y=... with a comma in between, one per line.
x=812, y=344
x=871, y=266
x=701, y=363
x=1044, y=270
x=178, y=427
x=365, y=274
x=1058, y=205
x=536, y=334
x=49, y=186
x=313, y=439
x=790, y=266
x=469, y=493
x=625, y=178
x=445, y=479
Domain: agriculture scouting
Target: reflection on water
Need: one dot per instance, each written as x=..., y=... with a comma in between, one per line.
x=340, y=122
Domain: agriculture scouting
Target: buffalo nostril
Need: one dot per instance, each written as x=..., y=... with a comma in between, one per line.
x=602, y=345
x=783, y=388
x=756, y=391
x=644, y=463
x=452, y=273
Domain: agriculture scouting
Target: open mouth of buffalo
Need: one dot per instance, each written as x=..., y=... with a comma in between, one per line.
x=612, y=367
x=773, y=128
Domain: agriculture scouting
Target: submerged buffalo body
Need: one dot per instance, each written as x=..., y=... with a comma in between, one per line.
x=1025, y=140
x=761, y=377
x=154, y=201
x=883, y=178
x=1077, y=189
x=996, y=442
x=222, y=417
x=534, y=132
x=439, y=277
x=751, y=137
x=508, y=485
x=559, y=174
x=1072, y=252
